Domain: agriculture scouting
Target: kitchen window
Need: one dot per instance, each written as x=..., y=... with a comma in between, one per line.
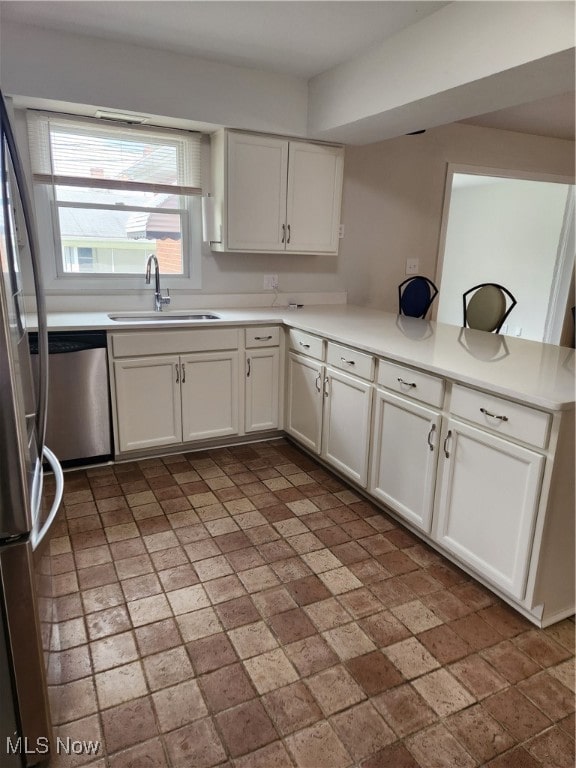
x=111, y=195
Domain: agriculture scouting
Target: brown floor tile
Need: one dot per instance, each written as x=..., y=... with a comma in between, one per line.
x=179, y=705
x=246, y=728
x=478, y=676
x=210, y=653
x=543, y=649
x=290, y=626
x=518, y=715
x=395, y=755
x=553, y=748
x=479, y=733
x=311, y=655
x=167, y=570
x=160, y=636
x=362, y=730
x=437, y=747
x=404, y=710
x=128, y=724
x=510, y=661
x=197, y=744
x=318, y=747
x=334, y=689
x=444, y=644
x=227, y=687
x=549, y=695
x=292, y=707
x=374, y=673
x=235, y=613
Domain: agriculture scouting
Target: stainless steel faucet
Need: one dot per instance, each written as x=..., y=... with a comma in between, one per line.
x=159, y=300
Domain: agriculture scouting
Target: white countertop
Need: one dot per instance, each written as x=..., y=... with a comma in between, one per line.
x=529, y=371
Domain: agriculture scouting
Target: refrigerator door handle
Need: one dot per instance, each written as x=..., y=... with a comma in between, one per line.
x=36, y=537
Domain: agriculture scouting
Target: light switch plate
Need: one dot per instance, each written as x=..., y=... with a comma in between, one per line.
x=412, y=266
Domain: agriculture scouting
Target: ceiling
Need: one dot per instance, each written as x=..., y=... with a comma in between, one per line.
x=300, y=39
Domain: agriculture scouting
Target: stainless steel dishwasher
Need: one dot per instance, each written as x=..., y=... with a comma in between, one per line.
x=79, y=421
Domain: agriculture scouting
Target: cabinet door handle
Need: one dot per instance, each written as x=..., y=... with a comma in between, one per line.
x=429, y=438
x=348, y=362
x=248, y=368
x=183, y=374
x=306, y=346
x=326, y=393
x=262, y=338
x=177, y=366
x=448, y=436
x=406, y=383
x=319, y=382
x=283, y=233
x=493, y=415
x=288, y=240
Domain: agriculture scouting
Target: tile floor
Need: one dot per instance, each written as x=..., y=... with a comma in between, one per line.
x=243, y=607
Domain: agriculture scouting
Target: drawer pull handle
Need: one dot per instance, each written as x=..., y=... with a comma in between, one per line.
x=493, y=415
x=248, y=370
x=177, y=373
x=283, y=233
x=262, y=338
x=319, y=382
x=429, y=438
x=306, y=346
x=326, y=392
x=183, y=374
x=288, y=238
x=348, y=362
x=448, y=436
x=406, y=383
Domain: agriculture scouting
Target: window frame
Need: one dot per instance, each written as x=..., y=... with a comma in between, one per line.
x=56, y=280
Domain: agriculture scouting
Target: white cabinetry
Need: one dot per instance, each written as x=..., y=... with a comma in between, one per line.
x=262, y=368
x=404, y=457
x=406, y=431
x=274, y=194
x=490, y=485
x=328, y=410
x=488, y=501
x=209, y=385
x=179, y=392
x=147, y=402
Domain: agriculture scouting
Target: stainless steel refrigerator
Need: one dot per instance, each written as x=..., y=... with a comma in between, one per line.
x=25, y=521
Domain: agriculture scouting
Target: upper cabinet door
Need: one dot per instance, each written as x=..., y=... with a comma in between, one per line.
x=314, y=195
x=257, y=168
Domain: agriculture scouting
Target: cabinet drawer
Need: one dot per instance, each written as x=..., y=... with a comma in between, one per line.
x=502, y=416
x=268, y=336
x=350, y=360
x=173, y=342
x=408, y=381
x=303, y=342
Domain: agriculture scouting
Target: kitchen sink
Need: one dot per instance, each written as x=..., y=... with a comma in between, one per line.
x=163, y=317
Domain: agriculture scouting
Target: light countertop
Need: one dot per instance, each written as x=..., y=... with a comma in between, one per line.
x=529, y=371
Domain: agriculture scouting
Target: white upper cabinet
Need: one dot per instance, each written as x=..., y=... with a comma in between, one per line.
x=275, y=195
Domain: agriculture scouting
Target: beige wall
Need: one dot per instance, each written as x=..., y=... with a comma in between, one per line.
x=394, y=192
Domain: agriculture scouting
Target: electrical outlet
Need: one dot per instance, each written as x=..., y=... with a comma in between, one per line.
x=341, y=231
x=412, y=266
x=271, y=282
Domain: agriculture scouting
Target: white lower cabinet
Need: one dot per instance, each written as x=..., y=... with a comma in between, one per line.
x=405, y=439
x=148, y=402
x=346, y=424
x=209, y=385
x=262, y=389
x=488, y=501
x=304, y=401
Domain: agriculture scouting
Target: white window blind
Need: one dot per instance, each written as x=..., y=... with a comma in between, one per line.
x=73, y=151
x=116, y=192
